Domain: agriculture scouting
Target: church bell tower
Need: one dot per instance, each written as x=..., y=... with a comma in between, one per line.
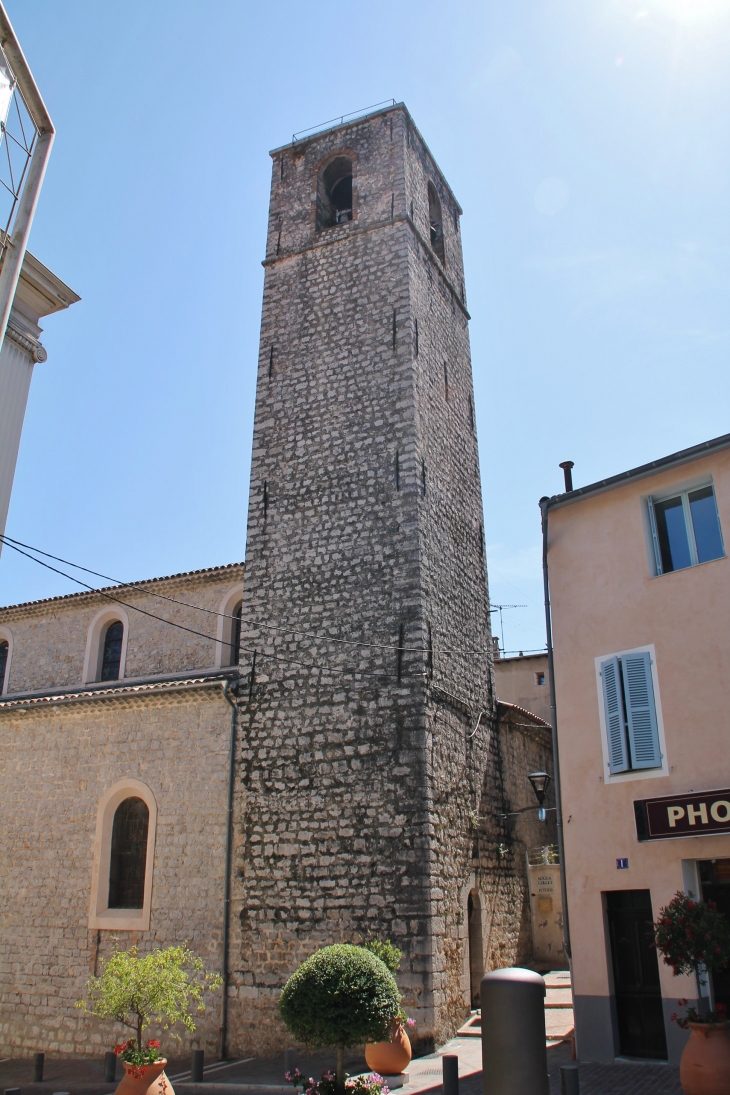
x=366, y=703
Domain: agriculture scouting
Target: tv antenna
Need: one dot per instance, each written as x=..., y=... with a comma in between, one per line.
x=499, y=608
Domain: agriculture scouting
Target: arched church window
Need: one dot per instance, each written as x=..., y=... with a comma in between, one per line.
x=236, y=634
x=4, y=655
x=128, y=854
x=112, y=654
x=436, y=223
x=334, y=193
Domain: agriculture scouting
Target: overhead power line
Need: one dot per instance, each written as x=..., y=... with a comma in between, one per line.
x=17, y=544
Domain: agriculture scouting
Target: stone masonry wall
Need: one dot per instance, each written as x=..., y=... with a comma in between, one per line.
x=57, y=765
x=359, y=775
x=49, y=637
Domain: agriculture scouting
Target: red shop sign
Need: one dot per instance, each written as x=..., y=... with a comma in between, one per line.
x=693, y=814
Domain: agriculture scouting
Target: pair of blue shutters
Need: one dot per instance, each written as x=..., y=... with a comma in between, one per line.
x=631, y=724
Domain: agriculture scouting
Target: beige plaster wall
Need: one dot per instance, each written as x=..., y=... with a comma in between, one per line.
x=514, y=679
x=604, y=601
x=58, y=763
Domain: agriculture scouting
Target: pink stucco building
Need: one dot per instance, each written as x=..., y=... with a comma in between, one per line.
x=640, y=594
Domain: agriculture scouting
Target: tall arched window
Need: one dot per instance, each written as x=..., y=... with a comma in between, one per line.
x=4, y=656
x=112, y=654
x=436, y=223
x=128, y=854
x=334, y=193
x=476, y=953
x=236, y=635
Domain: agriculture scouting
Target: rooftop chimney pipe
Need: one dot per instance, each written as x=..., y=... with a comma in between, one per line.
x=567, y=466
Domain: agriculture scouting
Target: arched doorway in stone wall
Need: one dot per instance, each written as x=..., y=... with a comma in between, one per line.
x=476, y=945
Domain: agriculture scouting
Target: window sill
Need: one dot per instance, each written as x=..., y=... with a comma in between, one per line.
x=692, y=566
x=121, y=920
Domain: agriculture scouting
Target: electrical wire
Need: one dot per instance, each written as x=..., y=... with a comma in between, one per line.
x=226, y=616
x=190, y=630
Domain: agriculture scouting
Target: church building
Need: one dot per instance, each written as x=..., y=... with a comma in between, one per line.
x=311, y=752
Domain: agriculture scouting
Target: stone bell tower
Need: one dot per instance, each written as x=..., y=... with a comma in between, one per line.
x=362, y=777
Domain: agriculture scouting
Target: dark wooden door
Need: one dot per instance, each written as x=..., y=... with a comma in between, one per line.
x=636, y=975
x=715, y=880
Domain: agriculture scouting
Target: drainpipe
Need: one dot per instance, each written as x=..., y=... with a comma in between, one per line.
x=544, y=503
x=228, y=688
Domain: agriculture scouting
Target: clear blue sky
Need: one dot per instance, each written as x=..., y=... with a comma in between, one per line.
x=587, y=142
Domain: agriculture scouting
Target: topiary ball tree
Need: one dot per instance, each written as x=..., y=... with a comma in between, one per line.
x=342, y=996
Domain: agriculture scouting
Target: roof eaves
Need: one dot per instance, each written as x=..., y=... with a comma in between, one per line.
x=684, y=456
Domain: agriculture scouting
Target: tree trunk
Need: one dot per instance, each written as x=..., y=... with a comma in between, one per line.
x=340, y=1074
x=139, y=1032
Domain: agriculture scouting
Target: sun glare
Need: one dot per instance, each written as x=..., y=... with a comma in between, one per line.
x=690, y=12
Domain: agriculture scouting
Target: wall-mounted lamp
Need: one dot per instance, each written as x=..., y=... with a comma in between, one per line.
x=540, y=781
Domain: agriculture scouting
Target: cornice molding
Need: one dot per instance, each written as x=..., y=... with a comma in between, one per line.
x=26, y=342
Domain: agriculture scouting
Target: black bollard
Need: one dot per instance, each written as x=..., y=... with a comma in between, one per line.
x=12, y=1091
x=451, y=1074
x=196, y=1073
x=569, y=1080
x=290, y=1060
x=110, y=1067
x=514, y=1055
x=38, y=1061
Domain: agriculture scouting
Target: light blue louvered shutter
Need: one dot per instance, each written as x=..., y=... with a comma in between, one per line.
x=618, y=753
x=641, y=711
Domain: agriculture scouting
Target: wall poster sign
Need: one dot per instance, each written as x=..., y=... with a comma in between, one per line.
x=694, y=814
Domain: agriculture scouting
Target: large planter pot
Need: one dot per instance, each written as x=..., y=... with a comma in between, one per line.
x=390, y=1058
x=153, y=1081
x=705, y=1065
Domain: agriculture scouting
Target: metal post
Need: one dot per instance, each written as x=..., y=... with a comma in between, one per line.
x=196, y=1074
x=110, y=1067
x=15, y=252
x=514, y=1054
x=38, y=1061
x=569, y=1080
x=451, y=1074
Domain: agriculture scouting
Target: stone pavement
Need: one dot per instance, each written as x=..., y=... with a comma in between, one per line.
x=253, y=1077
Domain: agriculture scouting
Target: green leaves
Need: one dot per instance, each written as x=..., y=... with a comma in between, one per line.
x=389, y=954
x=691, y=934
x=343, y=995
x=163, y=987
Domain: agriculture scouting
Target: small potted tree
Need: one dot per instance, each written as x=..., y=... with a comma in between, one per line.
x=341, y=996
x=392, y=1055
x=162, y=987
x=693, y=937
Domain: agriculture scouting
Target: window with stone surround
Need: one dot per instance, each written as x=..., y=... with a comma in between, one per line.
x=112, y=654
x=106, y=646
x=229, y=628
x=5, y=647
x=121, y=883
x=334, y=193
x=435, y=222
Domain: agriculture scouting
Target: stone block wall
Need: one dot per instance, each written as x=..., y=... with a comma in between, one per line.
x=58, y=763
x=49, y=638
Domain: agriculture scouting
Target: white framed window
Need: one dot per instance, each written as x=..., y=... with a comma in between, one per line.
x=106, y=646
x=124, y=851
x=685, y=528
x=632, y=730
x=6, y=654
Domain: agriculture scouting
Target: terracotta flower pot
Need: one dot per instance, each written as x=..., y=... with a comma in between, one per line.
x=705, y=1065
x=153, y=1080
x=390, y=1058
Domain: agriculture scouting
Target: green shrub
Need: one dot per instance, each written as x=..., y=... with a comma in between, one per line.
x=386, y=952
x=342, y=996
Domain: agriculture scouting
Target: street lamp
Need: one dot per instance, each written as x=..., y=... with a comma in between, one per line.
x=540, y=781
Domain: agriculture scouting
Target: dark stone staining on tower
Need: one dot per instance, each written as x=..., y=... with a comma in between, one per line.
x=394, y=332
x=400, y=653
x=423, y=478
x=271, y=361
x=411, y=210
x=392, y=205
x=429, y=651
x=481, y=541
x=446, y=382
x=397, y=470
x=265, y=498
x=334, y=193
x=471, y=413
x=281, y=170
x=278, y=242
x=415, y=336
